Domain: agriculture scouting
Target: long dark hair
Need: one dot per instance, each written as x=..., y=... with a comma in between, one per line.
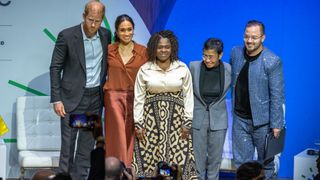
x=119, y=20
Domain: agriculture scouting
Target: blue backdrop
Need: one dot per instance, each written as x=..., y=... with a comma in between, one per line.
x=292, y=32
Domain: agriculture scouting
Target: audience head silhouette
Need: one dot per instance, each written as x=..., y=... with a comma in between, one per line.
x=113, y=168
x=62, y=176
x=46, y=174
x=251, y=170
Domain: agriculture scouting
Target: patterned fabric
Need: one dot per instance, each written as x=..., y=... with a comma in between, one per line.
x=163, y=118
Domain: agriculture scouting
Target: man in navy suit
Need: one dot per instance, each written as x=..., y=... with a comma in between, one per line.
x=77, y=74
x=258, y=96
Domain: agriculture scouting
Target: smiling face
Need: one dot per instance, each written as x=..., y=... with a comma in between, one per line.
x=164, y=50
x=253, y=39
x=125, y=32
x=211, y=58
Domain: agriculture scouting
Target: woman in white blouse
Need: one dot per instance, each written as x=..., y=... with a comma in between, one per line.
x=163, y=108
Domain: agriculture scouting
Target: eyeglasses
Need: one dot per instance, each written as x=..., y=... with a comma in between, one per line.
x=254, y=38
x=205, y=56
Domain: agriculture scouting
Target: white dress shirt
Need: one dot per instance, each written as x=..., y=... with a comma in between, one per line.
x=153, y=79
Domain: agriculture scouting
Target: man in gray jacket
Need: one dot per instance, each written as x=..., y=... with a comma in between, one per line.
x=258, y=96
x=211, y=80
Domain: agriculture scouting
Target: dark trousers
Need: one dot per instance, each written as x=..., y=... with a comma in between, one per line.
x=76, y=144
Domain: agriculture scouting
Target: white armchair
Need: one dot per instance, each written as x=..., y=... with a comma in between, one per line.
x=38, y=133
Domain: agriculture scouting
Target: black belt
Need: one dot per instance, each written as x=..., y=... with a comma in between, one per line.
x=93, y=89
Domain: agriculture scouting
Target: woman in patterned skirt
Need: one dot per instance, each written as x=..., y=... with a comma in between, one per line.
x=163, y=106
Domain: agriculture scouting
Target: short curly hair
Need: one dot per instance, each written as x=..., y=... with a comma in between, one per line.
x=154, y=41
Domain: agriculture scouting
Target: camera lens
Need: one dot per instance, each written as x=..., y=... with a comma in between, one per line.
x=312, y=152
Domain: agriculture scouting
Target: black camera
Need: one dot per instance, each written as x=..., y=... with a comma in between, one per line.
x=164, y=168
x=312, y=152
x=128, y=170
